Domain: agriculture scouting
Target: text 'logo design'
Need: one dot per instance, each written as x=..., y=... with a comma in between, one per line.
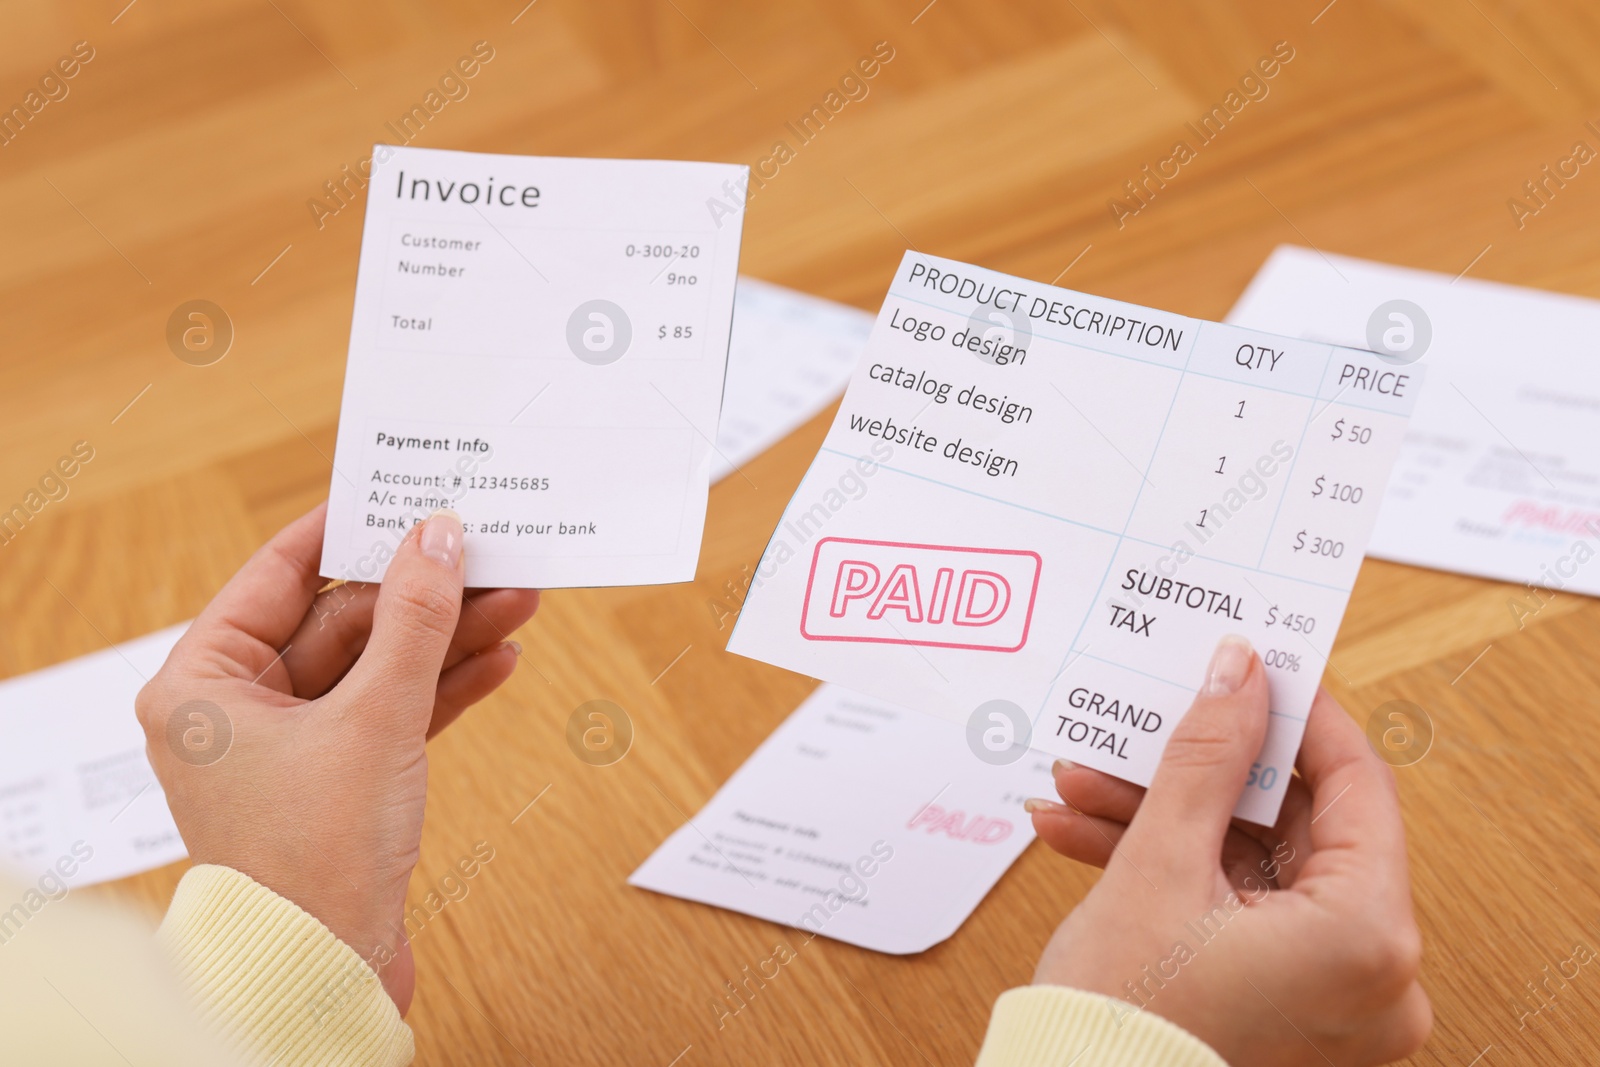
x=905, y=594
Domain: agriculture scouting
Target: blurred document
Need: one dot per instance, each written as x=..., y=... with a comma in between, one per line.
x=790, y=356
x=1046, y=508
x=76, y=791
x=1499, y=474
x=860, y=821
x=541, y=344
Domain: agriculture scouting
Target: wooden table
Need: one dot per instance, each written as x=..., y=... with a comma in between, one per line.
x=181, y=164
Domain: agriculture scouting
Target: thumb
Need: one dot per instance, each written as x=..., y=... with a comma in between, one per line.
x=1187, y=810
x=415, y=617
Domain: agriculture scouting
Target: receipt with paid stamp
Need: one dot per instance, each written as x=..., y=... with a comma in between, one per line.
x=1037, y=511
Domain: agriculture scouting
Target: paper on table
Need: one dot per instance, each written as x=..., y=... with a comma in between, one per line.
x=1499, y=475
x=1051, y=506
x=859, y=821
x=539, y=343
x=790, y=356
x=74, y=780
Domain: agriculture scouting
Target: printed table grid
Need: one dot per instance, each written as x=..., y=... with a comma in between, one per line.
x=1167, y=366
x=1183, y=372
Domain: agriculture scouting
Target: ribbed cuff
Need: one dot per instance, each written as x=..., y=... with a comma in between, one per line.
x=1053, y=1026
x=273, y=981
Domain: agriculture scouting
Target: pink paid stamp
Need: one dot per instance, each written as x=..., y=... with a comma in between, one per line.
x=891, y=592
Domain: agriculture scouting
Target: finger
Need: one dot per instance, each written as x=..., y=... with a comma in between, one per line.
x=1085, y=838
x=1093, y=840
x=1278, y=853
x=413, y=620
x=489, y=618
x=1290, y=837
x=1096, y=793
x=1189, y=806
x=330, y=638
x=265, y=601
x=335, y=631
x=1354, y=803
x=470, y=681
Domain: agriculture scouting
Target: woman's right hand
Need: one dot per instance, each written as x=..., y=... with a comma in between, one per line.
x=1293, y=944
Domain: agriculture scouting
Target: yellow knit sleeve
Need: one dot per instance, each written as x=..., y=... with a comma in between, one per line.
x=273, y=981
x=1053, y=1026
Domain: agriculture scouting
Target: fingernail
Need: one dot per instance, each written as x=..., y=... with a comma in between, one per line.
x=1062, y=766
x=1230, y=663
x=441, y=538
x=1034, y=806
x=515, y=647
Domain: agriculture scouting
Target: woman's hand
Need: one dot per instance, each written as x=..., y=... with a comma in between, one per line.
x=1288, y=945
x=288, y=727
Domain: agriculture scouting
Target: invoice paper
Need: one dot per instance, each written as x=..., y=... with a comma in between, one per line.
x=1499, y=474
x=540, y=344
x=1037, y=511
x=859, y=821
x=75, y=783
x=790, y=356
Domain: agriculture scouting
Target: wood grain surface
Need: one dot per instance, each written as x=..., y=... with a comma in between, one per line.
x=182, y=163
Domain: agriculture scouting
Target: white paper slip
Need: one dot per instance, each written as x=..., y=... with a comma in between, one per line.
x=1053, y=505
x=77, y=795
x=1499, y=474
x=540, y=344
x=789, y=357
x=859, y=821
